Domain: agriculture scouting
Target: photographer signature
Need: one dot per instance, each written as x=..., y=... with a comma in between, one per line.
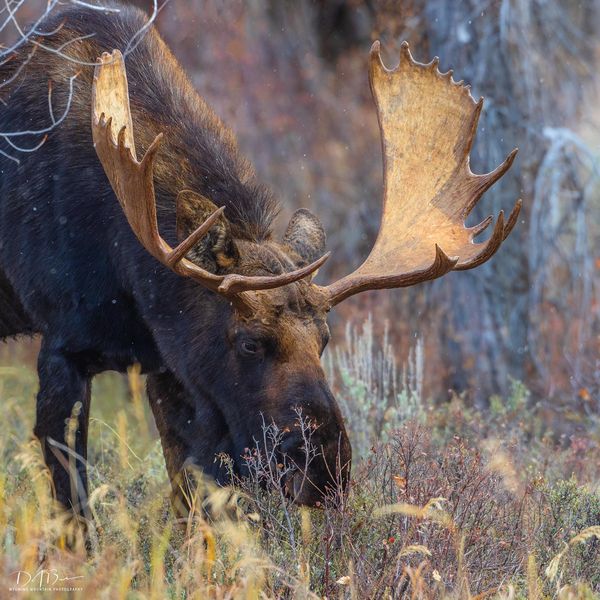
x=43, y=578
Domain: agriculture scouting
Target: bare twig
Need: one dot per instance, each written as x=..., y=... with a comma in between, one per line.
x=30, y=36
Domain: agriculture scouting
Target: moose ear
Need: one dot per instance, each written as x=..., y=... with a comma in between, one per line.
x=216, y=250
x=305, y=236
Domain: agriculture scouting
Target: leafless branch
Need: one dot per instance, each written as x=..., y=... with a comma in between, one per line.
x=31, y=36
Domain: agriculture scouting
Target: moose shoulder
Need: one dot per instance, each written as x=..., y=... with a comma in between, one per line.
x=146, y=238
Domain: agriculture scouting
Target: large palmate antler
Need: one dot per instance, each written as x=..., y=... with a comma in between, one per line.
x=132, y=182
x=427, y=124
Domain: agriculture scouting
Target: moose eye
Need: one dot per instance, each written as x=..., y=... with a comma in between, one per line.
x=249, y=347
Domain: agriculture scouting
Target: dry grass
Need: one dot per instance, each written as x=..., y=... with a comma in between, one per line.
x=455, y=503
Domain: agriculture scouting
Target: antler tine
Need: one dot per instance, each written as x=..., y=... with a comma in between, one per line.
x=234, y=284
x=512, y=218
x=481, y=227
x=428, y=123
x=489, y=247
x=482, y=183
x=133, y=183
x=184, y=247
x=500, y=233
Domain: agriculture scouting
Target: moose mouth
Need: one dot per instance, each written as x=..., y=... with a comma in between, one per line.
x=310, y=481
x=299, y=489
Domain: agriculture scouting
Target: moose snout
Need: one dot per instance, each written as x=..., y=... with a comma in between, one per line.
x=317, y=468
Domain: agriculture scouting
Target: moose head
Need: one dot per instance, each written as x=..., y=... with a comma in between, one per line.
x=275, y=325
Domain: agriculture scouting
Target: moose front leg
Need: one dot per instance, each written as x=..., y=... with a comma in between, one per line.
x=63, y=404
x=192, y=432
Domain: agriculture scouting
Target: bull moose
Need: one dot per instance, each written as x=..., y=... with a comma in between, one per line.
x=147, y=239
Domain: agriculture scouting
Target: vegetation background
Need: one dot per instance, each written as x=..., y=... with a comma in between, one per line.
x=472, y=401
